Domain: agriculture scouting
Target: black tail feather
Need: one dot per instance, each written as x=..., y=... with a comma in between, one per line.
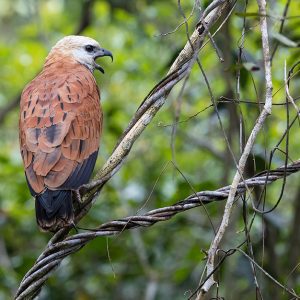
x=54, y=209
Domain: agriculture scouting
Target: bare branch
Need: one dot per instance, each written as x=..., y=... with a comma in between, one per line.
x=287, y=90
x=248, y=147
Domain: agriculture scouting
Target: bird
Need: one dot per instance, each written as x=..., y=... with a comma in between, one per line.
x=60, y=126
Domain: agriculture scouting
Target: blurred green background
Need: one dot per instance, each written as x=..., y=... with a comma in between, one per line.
x=166, y=260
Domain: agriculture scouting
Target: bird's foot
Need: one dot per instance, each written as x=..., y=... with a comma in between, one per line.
x=78, y=198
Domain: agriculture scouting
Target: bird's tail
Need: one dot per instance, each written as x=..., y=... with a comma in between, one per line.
x=54, y=210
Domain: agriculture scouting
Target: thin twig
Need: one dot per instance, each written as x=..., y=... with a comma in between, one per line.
x=248, y=147
x=285, y=11
x=287, y=90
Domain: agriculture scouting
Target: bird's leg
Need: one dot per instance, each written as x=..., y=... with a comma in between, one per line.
x=77, y=195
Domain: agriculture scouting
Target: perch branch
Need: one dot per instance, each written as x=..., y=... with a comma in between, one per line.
x=56, y=252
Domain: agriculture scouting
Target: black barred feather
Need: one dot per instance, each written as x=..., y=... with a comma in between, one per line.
x=54, y=209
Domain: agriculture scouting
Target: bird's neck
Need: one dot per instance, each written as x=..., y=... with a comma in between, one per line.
x=60, y=59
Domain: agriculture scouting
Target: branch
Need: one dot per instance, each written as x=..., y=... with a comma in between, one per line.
x=285, y=11
x=152, y=103
x=56, y=252
x=242, y=162
x=84, y=22
x=60, y=245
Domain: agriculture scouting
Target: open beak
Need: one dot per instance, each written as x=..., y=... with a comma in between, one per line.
x=100, y=53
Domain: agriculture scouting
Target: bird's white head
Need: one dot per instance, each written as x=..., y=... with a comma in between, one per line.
x=83, y=49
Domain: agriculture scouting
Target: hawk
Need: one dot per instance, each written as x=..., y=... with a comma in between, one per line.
x=60, y=128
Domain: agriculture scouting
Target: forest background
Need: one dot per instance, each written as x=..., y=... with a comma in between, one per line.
x=182, y=150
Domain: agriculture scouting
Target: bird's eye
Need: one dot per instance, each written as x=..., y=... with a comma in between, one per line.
x=89, y=48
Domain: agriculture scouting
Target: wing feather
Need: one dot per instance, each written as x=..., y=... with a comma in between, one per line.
x=60, y=127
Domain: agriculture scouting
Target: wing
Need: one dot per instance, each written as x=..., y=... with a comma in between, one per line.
x=60, y=128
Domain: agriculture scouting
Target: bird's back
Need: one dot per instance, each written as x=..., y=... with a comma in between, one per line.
x=60, y=128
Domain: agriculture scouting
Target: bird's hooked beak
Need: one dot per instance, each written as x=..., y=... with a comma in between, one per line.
x=100, y=53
